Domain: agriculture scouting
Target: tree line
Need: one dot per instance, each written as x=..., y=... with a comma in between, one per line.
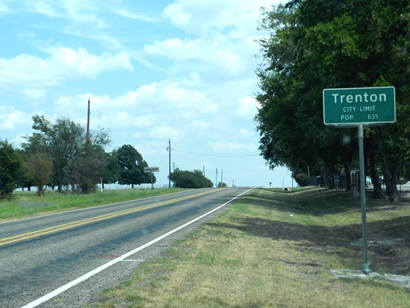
x=63, y=156
x=311, y=45
x=190, y=179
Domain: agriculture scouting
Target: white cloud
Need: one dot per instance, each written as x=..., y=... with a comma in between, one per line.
x=193, y=81
x=220, y=54
x=84, y=11
x=162, y=99
x=112, y=113
x=189, y=100
x=4, y=9
x=177, y=15
x=223, y=147
x=247, y=107
x=106, y=40
x=199, y=124
x=134, y=16
x=165, y=132
x=220, y=36
x=246, y=132
x=158, y=110
x=61, y=64
x=175, y=48
x=202, y=16
x=45, y=8
x=33, y=93
x=12, y=118
x=151, y=149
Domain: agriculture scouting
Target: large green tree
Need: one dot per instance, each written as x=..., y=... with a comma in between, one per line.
x=10, y=163
x=78, y=160
x=317, y=44
x=111, y=172
x=131, y=166
x=63, y=141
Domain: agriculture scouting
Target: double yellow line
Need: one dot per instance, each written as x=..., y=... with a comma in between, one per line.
x=82, y=222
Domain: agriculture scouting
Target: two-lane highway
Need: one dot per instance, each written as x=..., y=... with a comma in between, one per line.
x=40, y=255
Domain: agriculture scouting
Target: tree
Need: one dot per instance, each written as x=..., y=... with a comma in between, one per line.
x=38, y=169
x=10, y=163
x=349, y=44
x=189, y=179
x=89, y=164
x=77, y=161
x=131, y=165
x=111, y=173
x=87, y=168
x=63, y=141
x=23, y=181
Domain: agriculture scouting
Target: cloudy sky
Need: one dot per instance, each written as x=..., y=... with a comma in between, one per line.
x=154, y=70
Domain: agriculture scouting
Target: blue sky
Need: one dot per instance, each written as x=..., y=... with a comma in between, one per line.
x=154, y=70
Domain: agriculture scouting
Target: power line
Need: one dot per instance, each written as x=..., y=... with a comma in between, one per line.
x=215, y=155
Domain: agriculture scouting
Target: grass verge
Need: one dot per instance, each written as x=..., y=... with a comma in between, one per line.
x=274, y=249
x=28, y=203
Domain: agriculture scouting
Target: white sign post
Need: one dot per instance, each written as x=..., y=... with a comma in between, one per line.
x=151, y=170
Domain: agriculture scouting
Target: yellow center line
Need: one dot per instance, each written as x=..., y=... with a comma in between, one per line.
x=81, y=222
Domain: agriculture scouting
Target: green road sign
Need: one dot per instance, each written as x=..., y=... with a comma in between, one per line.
x=355, y=106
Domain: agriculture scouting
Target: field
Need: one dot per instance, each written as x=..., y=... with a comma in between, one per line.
x=26, y=203
x=277, y=249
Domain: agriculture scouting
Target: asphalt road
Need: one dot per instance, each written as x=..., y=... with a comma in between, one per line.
x=39, y=255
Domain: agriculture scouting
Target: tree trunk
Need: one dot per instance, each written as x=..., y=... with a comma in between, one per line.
x=371, y=151
x=348, y=179
x=390, y=179
x=132, y=186
x=29, y=188
x=374, y=174
x=331, y=179
x=40, y=190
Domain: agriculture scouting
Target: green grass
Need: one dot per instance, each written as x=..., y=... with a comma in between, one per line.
x=26, y=203
x=276, y=249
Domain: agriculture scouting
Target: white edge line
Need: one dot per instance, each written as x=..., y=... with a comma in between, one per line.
x=93, y=207
x=99, y=269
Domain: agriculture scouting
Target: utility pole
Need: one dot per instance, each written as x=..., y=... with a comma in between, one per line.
x=203, y=169
x=222, y=176
x=169, y=163
x=88, y=121
x=216, y=178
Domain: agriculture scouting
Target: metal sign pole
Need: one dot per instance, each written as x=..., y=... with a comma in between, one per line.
x=349, y=107
x=366, y=264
